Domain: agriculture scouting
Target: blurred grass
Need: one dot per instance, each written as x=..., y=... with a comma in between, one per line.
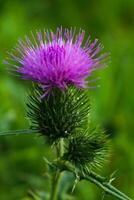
x=21, y=163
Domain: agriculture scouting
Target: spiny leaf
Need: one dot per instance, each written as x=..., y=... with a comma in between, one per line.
x=17, y=132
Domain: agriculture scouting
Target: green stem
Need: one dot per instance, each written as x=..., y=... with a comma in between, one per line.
x=55, y=183
x=97, y=180
x=57, y=174
x=107, y=187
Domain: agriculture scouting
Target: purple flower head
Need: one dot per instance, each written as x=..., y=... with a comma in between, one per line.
x=57, y=60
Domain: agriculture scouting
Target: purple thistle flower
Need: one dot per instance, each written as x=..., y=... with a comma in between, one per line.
x=57, y=60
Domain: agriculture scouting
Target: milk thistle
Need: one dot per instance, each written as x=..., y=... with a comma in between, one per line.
x=58, y=105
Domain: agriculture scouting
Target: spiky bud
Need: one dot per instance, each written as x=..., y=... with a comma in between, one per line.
x=86, y=150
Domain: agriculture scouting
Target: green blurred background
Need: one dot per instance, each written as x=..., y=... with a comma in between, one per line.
x=112, y=21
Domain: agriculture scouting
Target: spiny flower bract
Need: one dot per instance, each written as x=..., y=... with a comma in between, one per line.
x=60, y=114
x=57, y=60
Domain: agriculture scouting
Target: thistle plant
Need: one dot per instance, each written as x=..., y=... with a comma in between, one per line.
x=58, y=105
